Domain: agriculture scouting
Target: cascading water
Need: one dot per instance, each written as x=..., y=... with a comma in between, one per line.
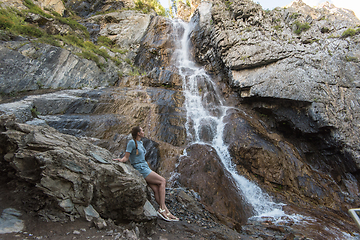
x=205, y=113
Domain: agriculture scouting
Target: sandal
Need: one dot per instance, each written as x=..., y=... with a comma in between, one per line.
x=165, y=217
x=175, y=219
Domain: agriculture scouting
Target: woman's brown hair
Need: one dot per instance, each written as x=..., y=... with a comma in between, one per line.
x=134, y=133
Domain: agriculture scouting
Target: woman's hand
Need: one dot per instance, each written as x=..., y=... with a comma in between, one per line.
x=120, y=159
x=124, y=159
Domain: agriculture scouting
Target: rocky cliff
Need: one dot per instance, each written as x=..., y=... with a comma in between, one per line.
x=290, y=77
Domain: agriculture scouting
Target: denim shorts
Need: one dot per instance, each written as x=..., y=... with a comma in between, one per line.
x=143, y=168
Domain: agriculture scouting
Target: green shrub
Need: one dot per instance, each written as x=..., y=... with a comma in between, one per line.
x=50, y=39
x=105, y=41
x=295, y=15
x=147, y=5
x=73, y=40
x=351, y=59
x=300, y=27
x=102, y=52
x=348, y=33
x=116, y=61
x=5, y=23
x=278, y=28
x=121, y=51
x=30, y=30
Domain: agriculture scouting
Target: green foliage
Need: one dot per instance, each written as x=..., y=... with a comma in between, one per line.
x=121, y=51
x=278, y=28
x=128, y=61
x=101, y=52
x=351, y=59
x=5, y=23
x=40, y=85
x=350, y=32
x=147, y=5
x=228, y=4
x=73, y=40
x=105, y=41
x=295, y=15
x=116, y=61
x=300, y=27
x=51, y=40
x=34, y=112
x=12, y=23
x=134, y=72
x=188, y=3
x=30, y=30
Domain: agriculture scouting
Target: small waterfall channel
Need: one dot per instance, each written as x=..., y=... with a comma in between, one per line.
x=205, y=113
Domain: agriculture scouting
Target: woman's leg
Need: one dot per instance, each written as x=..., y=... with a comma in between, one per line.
x=158, y=184
x=155, y=188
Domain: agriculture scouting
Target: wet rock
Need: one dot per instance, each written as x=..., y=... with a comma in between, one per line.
x=202, y=170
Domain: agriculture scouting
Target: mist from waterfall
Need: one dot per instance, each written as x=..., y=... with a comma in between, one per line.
x=205, y=113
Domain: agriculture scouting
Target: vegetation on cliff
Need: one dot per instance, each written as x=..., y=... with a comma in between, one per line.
x=15, y=22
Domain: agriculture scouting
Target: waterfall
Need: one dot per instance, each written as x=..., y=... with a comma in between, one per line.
x=205, y=112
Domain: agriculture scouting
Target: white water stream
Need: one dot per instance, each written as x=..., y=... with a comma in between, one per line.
x=205, y=113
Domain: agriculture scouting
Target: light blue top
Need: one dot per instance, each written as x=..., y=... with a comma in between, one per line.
x=131, y=148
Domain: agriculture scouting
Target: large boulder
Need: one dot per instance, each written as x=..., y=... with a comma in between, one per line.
x=77, y=176
x=202, y=170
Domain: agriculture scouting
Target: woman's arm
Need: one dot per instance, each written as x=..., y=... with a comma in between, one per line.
x=124, y=159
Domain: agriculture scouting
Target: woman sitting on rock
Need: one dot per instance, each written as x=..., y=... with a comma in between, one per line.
x=136, y=152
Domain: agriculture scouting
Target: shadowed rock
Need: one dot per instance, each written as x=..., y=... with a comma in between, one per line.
x=202, y=170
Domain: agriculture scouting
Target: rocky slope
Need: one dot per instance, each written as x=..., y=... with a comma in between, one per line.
x=290, y=75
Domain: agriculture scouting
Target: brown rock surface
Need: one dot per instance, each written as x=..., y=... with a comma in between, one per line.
x=202, y=170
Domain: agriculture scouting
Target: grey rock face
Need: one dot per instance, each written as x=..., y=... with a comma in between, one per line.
x=126, y=28
x=270, y=56
x=9, y=221
x=90, y=7
x=26, y=66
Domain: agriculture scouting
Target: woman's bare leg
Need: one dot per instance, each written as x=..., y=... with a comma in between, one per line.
x=155, y=188
x=158, y=184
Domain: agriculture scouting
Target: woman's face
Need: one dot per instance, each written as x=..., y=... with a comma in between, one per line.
x=141, y=133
